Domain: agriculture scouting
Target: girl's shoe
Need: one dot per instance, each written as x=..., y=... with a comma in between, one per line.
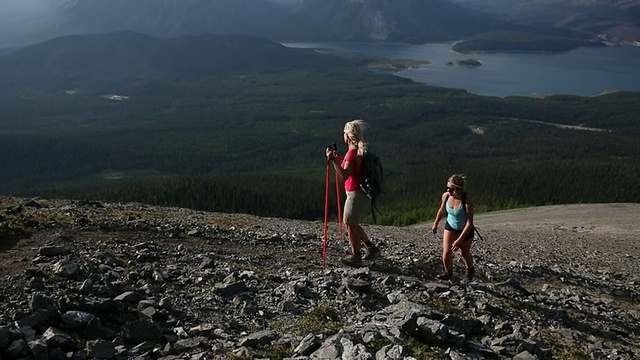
x=372, y=252
x=469, y=273
x=444, y=276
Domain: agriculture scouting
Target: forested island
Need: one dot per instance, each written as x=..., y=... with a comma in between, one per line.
x=467, y=63
x=506, y=41
x=397, y=64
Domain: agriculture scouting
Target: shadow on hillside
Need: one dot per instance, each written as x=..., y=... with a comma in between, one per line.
x=6, y=244
x=9, y=238
x=421, y=270
x=585, y=321
x=572, y=313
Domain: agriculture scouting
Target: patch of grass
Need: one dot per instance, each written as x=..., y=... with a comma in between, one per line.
x=14, y=232
x=282, y=324
x=277, y=351
x=374, y=346
x=258, y=271
x=423, y=351
x=224, y=221
x=237, y=357
x=321, y=319
x=446, y=306
x=7, y=202
x=559, y=347
x=27, y=217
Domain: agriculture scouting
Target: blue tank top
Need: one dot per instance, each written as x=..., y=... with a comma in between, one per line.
x=457, y=218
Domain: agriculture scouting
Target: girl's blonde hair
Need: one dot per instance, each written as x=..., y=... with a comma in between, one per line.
x=458, y=181
x=354, y=130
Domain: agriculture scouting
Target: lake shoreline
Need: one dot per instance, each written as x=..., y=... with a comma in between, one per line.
x=584, y=71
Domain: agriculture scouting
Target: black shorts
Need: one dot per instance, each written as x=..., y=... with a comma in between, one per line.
x=458, y=232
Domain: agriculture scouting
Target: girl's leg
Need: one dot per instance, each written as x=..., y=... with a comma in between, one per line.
x=447, y=255
x=465, y=252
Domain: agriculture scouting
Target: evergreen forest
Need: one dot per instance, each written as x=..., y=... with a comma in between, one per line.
x=248, y=134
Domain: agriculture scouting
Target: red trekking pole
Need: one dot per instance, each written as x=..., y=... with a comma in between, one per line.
x=335, y=148
x=326, y=213
x=339, y=206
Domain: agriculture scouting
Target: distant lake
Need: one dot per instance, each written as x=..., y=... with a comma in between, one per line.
x=583, y=71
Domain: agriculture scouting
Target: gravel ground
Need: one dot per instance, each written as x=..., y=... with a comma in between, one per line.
x=568, y=268
x=600, y=237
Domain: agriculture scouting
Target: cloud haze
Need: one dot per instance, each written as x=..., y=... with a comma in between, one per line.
x=10, y=8
x=21, y=20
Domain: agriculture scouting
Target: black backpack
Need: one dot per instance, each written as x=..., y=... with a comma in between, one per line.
x=372, y=179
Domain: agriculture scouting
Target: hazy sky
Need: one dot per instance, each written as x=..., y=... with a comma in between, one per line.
x=13, y=7
x=285, y=1
x=26, y=7
x=27, y=21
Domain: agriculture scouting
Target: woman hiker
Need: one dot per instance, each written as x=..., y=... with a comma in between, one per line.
x=458, y=230
x=357, y=203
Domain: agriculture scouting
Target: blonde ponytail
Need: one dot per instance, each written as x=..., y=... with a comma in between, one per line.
x=354, y=130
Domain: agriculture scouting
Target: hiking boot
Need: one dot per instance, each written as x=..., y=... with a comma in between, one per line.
x=372, y=252
x=469, y=273
x=444, y=276
x=352, y=260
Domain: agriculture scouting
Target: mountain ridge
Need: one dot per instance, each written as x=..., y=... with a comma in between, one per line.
x=312, y=20
x=617, y=21
x=128, y=54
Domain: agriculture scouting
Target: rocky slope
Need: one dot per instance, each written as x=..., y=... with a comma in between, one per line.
x=88, y=280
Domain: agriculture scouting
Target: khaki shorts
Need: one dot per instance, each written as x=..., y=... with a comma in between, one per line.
x=355, y=207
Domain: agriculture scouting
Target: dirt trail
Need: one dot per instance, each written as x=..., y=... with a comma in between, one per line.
x=614, y=218
x=603, y=237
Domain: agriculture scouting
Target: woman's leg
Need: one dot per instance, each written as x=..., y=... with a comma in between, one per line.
x=354, y=233
x=364, y=237
x=355, y=207
x=350, y=220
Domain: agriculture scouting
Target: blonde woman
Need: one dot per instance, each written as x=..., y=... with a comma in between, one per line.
x=458, y=230
x=357, y=203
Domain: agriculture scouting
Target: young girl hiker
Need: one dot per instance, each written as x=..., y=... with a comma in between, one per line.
x=357, y=203
x=458, y=230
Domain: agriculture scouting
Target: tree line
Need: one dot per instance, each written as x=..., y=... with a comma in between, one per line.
x=255, y=143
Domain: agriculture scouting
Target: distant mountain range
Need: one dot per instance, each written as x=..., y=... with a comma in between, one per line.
x=415, y=21
x=312, y=20
x=153, y=17
x=89, y=61
x=612, y=20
